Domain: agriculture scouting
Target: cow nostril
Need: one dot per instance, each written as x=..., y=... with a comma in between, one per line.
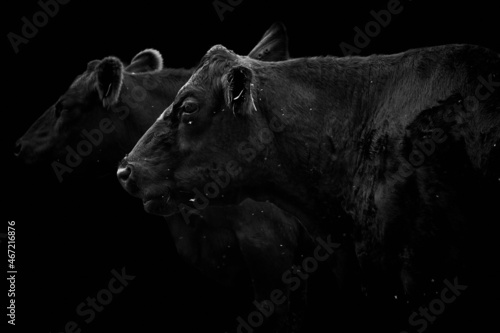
x=18, y=148
x=123, y=173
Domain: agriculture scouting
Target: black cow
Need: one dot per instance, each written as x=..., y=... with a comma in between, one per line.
x=112, y=105
x=352, y=146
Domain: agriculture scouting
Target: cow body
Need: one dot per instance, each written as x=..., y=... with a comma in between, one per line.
x=338, y=132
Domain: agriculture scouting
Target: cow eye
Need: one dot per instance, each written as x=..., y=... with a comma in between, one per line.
x=189, y=106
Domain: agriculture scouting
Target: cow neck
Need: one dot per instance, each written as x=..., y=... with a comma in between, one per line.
x=325, y=109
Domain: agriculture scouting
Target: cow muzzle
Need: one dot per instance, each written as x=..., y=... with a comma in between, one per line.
x=18, y=148
x=127, y=177
x=28, y=153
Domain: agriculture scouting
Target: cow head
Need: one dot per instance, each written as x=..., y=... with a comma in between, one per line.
x=106, y=90
x=82, y=107
x=210, y=141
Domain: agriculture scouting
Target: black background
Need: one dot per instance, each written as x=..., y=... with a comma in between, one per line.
x=71, y=235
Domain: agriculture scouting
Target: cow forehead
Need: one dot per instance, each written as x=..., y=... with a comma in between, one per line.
x=81, y=87
x=194, y=81
x=82, y=80
x=202, y=72
x=208, y=75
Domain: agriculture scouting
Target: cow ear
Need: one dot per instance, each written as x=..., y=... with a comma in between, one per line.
x=238, y=92
x=273, y=46
x=109, y=80
x=149, y=60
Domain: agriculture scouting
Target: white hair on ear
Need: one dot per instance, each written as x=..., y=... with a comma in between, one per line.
x=151, y=57
x=252, y=89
